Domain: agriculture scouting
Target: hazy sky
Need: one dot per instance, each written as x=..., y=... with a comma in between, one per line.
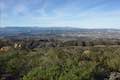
x=74, y=13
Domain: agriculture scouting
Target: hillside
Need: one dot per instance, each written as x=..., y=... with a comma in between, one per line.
x=59, y=54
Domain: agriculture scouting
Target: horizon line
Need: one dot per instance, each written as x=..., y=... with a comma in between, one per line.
x=56, y=27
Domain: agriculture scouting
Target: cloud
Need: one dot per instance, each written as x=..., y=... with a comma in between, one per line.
x=20, y=9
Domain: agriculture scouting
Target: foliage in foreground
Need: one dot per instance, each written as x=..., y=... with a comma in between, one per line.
x=69, y=63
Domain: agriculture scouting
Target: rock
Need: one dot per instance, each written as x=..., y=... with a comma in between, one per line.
x=17, y=45
x=5, y=48
x=114, y=76
x=87, y=52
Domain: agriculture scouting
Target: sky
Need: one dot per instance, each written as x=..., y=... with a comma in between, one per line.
x=60, y=13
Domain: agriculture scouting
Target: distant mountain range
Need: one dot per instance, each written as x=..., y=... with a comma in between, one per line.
x=57, y=31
